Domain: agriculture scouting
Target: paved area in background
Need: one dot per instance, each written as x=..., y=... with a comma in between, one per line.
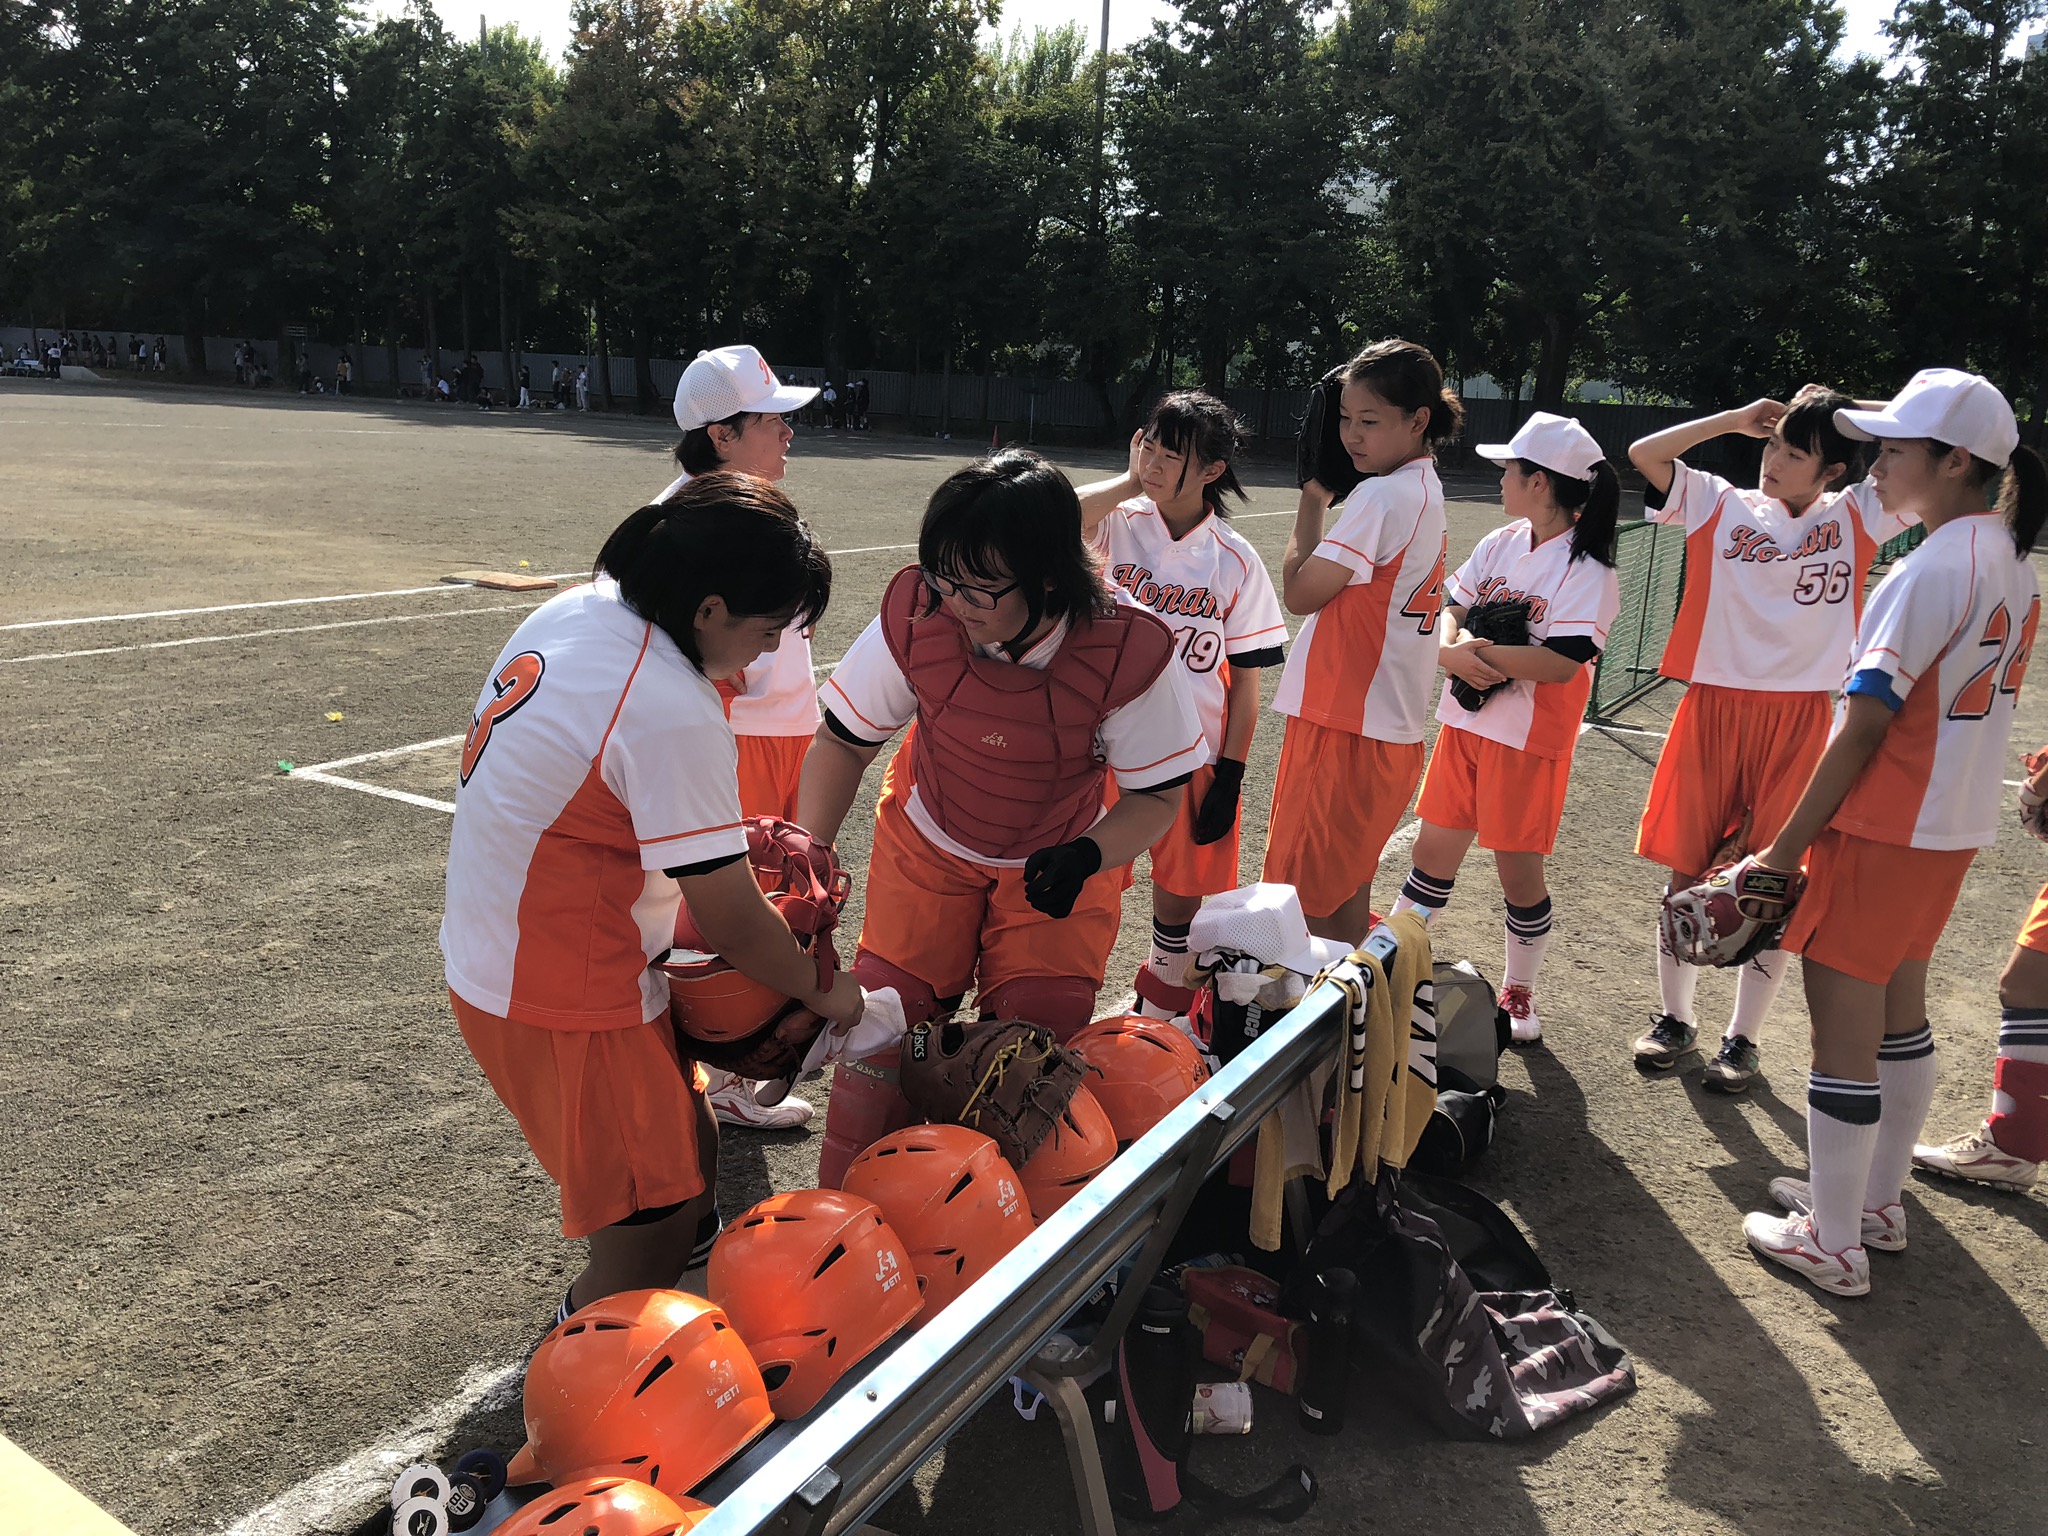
x=261, y=1207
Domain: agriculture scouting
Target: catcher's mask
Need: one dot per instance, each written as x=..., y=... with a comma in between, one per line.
x=723, y=1017
x=607, y=1506
x=952, y=1197
x=1139, y=1068
x=655, y=1385
x=815, y=1280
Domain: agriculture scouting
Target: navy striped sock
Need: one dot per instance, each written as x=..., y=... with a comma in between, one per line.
x=1427, y=891
x=1843, y=1099
x=2023, y=1029
x=1907, y=1047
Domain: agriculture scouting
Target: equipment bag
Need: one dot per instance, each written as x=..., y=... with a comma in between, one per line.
x=1471, y=1033
x=1460, y=1128
x=1149, y=1436
x=1237, y=1312
x=1480, y=1365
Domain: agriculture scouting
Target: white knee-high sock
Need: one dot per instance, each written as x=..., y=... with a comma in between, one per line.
x=1528, y=939
x=1905, y=1076
x=1677, y=983
x=1841, y=1135
x=1755, y=990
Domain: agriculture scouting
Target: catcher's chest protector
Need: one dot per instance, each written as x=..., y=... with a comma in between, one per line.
x=1004, y=755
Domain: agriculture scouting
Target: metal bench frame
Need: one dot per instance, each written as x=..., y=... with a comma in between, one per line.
x=830, y=1473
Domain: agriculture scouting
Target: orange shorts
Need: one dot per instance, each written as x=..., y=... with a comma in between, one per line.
x=1180, y=865
x=1736, y=761
x=956, y=924
x=1337, y=797
x=1870, y=907
x=611, y=1114
x=1511, y=798
x=2034, y=931
x=770, y=769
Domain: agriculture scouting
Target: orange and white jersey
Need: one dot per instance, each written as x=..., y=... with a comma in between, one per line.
x=1153, y=740
x=598, y=756
x=778, y=694
x=1566, y=597
x=1365, y=660
x=1944, y=643
x=1209, y=586
x=1771, y=600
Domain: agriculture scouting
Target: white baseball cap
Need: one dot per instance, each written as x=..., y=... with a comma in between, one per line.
x=1949, y=406
x=729, y=380
x=1556, y=442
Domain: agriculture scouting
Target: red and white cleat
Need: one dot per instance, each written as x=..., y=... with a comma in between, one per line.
x=1792, y=1242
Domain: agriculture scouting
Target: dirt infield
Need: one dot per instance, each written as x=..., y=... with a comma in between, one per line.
x=261, y=1209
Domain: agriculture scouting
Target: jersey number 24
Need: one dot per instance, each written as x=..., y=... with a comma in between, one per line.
x=2004, y=669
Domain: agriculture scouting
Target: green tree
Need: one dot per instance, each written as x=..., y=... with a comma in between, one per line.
x=1231, y=146
x=1959, y=241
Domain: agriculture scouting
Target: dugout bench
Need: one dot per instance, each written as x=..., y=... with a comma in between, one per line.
x=830, y=1472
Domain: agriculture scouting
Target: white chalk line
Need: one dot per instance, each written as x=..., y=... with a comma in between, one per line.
x=404, y=797
x=280, y=602
x=1620, y=730
x=378, y=757
x=365, y=1479
x=259, y=634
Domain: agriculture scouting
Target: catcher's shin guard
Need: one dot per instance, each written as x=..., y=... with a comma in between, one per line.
x=1062, y=1004
x=2023, y=1130
x=867, y=1100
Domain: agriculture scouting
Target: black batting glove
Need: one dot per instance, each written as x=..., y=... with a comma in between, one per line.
x=1217, y=813
x=1053, y=876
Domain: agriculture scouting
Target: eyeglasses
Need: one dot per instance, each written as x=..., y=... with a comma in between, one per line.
x=973, y=597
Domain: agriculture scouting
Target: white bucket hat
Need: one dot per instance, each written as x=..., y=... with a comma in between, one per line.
x=1949, y=406
x=729, y=380
x=1556, y=442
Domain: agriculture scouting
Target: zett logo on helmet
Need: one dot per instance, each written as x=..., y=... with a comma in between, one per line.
x=1006, y=1196
x=995, y=739
x=888, y=1270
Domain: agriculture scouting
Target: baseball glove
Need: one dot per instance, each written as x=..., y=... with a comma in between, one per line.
x=1319, y=452
x=1007, y=1079
x=1732, y=916
x=1503, y=624
x=2033, y=804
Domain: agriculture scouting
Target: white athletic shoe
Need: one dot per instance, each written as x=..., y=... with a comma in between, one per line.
x=1520, y=1006
x=732, y=1101
x=1884, y=1230
x=1792, y=1242
x=1976, y=1157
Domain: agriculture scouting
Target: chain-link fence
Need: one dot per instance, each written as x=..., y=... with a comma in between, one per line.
x=1649, y=561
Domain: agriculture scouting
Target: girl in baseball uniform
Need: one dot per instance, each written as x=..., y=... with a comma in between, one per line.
x=1910, y=786
x=1773, y=590
x=732, y=410
x=1356, y=688
x=600, y=790
x=1162, y=534
x=1030, y=680
x=1502, y=761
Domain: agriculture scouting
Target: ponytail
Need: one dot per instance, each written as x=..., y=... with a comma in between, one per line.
x=1595, y=503
x=2024, y=498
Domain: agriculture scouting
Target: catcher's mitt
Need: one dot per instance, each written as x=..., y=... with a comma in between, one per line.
x=1732, y=916
x=1503, y=624
x=1007, y=1079
x=1319, y=453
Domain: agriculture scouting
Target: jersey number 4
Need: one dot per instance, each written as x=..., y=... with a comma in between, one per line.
x=1427, y=600
x=2005, y=669
x=512, y=687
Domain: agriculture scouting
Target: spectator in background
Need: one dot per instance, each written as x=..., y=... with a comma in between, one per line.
x=830, y=400
x=525, y=385
x=344, y=375
x=583, y=387
x=156, y=356
x=134, y=352
x=860, y=405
